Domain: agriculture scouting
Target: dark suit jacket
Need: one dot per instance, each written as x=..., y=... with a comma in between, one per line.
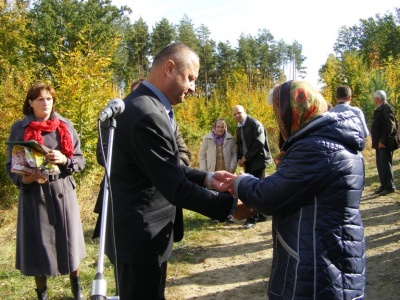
x=184, y=157
x=148, y=183
x=258, y=155
x=383, y=126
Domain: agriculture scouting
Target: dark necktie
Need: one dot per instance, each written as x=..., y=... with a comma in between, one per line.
x=171, y=117
x=244, y=146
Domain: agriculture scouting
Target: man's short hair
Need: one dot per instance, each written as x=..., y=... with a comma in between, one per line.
x=176, y=51
x=380, y=94
x=343, y=92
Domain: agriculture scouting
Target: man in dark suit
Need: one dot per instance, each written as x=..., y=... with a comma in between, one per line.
x=252, y=151
x=149, y=185
x=383, y=133
x=184, y=159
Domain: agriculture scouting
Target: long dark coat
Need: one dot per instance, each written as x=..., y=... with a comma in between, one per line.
x=258, y=154
x=44, y=249
x=383, y=126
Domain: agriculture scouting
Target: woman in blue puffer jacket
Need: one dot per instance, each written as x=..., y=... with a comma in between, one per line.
x=314, y=198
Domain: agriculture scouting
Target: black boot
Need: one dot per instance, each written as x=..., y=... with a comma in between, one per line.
x=42, y=295
x=76, y=288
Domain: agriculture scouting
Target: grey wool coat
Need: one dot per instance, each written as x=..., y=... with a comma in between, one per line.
x=49, y=232
x=208, y=153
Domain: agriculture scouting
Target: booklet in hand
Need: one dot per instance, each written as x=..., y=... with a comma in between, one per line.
x=31, y=144
x=27, y=155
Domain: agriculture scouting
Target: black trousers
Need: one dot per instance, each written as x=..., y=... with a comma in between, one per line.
x=260, y=173
x=142, y=282
x=384, y=159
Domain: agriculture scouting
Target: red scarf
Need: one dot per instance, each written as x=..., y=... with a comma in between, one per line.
x=35, y=129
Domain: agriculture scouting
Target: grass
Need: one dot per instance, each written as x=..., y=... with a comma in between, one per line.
x=198, y=232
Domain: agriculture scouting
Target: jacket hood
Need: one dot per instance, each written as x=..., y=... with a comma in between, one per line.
x=343, y=127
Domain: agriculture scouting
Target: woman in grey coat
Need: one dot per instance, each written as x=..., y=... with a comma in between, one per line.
x=218, y=150
x=49, y=232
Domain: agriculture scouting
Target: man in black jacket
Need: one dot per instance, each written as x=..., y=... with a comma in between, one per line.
x=149, y=185
x=184, y=159
x=252, y=151
x=383, y=133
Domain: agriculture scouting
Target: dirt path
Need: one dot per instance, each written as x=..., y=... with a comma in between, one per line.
x=235, y=263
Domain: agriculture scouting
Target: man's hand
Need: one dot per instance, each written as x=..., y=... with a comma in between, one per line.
x=381, y=146
x=242, y=161
x=223, y=181
x=243, y=211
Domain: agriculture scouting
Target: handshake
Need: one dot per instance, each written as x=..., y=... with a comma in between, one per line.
x=223, y=181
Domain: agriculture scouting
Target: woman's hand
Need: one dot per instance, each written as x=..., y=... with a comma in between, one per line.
x=56, y=157
x=36, y=175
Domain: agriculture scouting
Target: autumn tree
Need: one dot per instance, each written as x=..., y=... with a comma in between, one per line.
x=137, y=43
x=163, y=34
x=16, y=73
x=187, y=33
x=366, y=58
x=296, y=60
x=264, y=60
x=227, y=67
x=83, y=86
x=58, y=24
x=206, y=51
x=247, y=57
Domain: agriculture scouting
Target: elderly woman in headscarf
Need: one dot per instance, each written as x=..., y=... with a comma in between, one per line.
x=314, y=198
x=218, y=149
x=218, y=152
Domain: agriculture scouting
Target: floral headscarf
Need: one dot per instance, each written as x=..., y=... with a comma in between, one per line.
x=296, y=103
x=219, y=139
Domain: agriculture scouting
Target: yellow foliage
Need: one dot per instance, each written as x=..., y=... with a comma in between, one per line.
x=84, y=87
x=197, y=114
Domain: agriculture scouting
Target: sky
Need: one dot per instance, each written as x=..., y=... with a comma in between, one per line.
x=312, y=23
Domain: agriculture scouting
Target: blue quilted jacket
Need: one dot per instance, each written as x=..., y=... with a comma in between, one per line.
x=314, y=198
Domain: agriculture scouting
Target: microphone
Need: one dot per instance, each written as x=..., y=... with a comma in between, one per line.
x=114, y=108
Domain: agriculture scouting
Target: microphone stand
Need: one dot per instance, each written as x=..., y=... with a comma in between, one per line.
x=99, y=285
